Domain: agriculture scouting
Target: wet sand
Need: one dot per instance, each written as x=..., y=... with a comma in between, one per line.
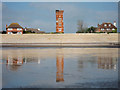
x=60, y=67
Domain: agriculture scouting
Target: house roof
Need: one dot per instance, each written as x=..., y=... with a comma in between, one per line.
x=14, y=25
x=107, y=26
x=34, y=30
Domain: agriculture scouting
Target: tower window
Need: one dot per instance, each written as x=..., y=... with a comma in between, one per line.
x=60, y=29
x=60, y=24
x=59, y=19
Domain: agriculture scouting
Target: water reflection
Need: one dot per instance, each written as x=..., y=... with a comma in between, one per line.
x=107, y=63
x=60, y=68
x=32, y=59
x=46, y=67
x=13, y=63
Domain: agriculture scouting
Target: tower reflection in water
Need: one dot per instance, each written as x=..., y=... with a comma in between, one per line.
x=60, y=68
x=107, y=63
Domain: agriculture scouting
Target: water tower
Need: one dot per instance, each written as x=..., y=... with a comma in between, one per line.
x=59, y=21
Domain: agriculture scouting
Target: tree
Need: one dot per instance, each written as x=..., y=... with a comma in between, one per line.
x=81, y=27
x=4, y=32
x=91, y=29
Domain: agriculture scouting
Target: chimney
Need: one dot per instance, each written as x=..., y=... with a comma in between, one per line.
x=6, y=25
x=115, y=24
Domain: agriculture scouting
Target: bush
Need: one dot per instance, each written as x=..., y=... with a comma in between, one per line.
x=4, y=32
x=51, y=32
x=85, y=30
x=114, y=31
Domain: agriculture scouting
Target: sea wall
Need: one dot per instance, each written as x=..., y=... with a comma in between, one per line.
x=60, y=39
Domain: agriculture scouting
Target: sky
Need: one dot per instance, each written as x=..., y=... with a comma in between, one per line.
x=60, y=0
x=42, y=14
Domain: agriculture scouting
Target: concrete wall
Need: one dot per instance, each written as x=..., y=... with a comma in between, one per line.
x=60, y=38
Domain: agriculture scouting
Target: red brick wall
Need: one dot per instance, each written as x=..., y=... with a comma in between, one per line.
x=59, y=14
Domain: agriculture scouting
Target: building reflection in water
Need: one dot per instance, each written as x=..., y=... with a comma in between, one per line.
x=107, y=63
x=60, y=68
x=13, y=63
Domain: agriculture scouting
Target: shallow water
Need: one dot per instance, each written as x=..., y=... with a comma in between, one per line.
x=60, y=67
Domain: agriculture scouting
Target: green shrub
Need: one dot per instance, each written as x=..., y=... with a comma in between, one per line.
x=51, y=32
x=114, y=31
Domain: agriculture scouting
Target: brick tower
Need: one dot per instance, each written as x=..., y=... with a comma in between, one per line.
x=59, y=21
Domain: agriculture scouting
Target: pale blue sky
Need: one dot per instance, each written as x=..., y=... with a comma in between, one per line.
x=42, y=14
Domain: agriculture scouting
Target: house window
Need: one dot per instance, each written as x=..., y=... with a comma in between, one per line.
x=19, y=32
x=10, y=29
x=105, y=25
x=10, y=33
x=102, y=28
x=109, y=25
x=108, y=29
x=113, y=29
x=19, y=28
x=60, y=29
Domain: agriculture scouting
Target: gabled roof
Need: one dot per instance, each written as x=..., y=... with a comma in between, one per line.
x=105, y=27
x=14, y=25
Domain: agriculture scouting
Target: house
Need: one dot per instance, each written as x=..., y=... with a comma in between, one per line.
x=106, y=27
x=14, y=28
x=32, y=30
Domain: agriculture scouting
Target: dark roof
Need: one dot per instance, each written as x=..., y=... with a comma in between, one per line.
x=60, y=10
x=14, y=25
x=105, y=27
x=57, y=10
x=34, y=30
